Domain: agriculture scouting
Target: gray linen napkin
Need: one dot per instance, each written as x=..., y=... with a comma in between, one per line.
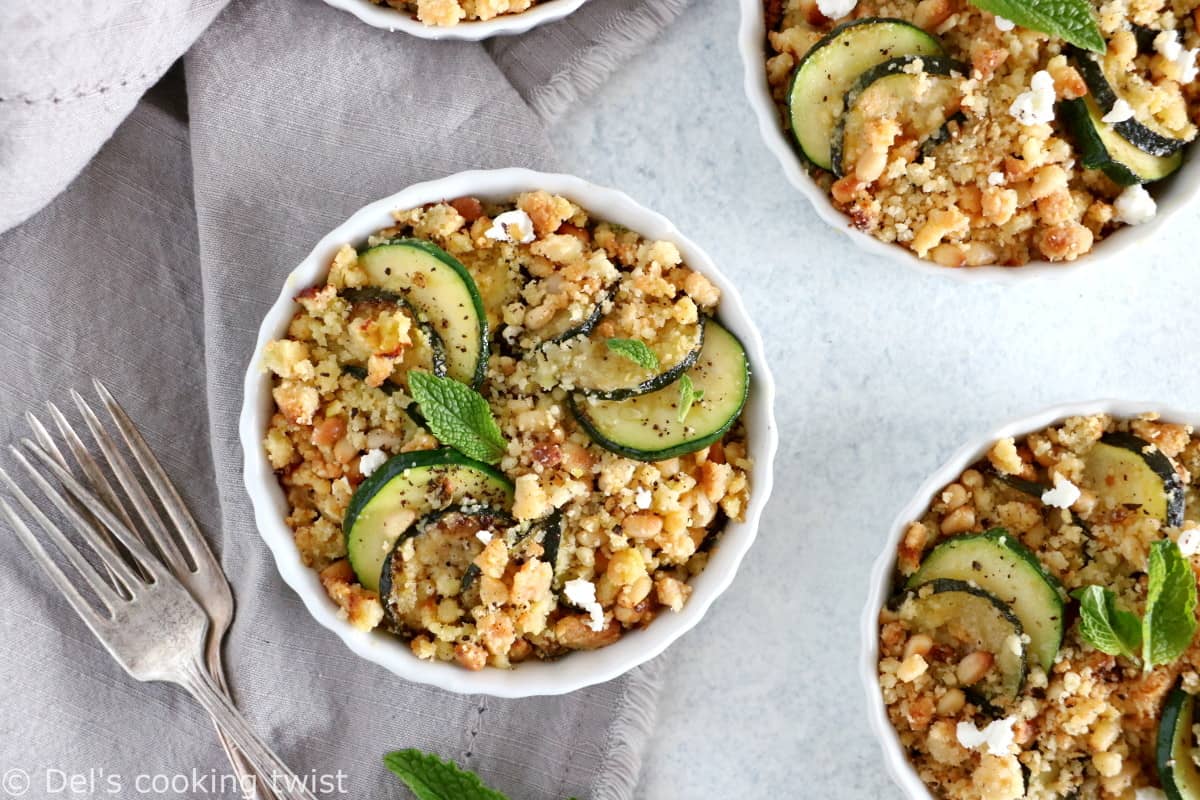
x=152, y=271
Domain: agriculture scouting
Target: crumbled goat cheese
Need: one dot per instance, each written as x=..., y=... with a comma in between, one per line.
x=1037, y=105
x=997, y=736
x=512, y=226
x=996, y=179
x=1135, y=205
x=1005, y=24
x=371, y=461
x=1149, y=793
x=1120, y=112
x=1189, y=542
x=643, y=498
x=582, y=593
x=1169, y=47
x=836, y=9
x=484, y=536
x=1063, y=495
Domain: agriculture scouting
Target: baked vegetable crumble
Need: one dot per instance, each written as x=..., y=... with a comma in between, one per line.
x=447, y=13
x=971, y=140
x=1040, y=638
x=508, y=431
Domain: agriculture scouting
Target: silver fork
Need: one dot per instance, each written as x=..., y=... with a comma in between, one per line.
x=201, y=573
x=143, y=615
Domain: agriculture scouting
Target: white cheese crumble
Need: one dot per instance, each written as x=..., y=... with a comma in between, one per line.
x=1063, y=495
x=997, y=736
x=1149, y=793
x=836, y=9
x=642, y=498
x=1005, y=24
x=996, y=179
x=1135, y=205
x=1120, y=112
x=512, y=226
x=484, y=536
x=1037, y=105
x=1189, y=542
x=1167, y=45
x=582, y=593
x=371, y=461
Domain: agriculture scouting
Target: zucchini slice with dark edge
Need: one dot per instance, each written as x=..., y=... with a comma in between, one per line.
x=1128, y=472
x=444, y=293
x=590, y=366
x=819, y=84
x=460, y=524
x=406, y=487
x=999, y=564
x=1101, y=147
x=920, y=92
x=647, y=427
x=1174, y=746
x=968, y=618
x=428, y=352
x=546, y=531
x=1146, y=135
x=568, y=324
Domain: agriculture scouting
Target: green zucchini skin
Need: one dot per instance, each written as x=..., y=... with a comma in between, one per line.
x=1101, y=147
x=549, y=528
x=588, y=324
x=930, y=65
x=469, y=348
x=1105, y=96
x=372, y=294
x=1151, y=468
x=843, y=54
x=654, y=383
x=1172, y=751
x=399, y=481
x=998, y=563
x=493, y=517
x=658, y=435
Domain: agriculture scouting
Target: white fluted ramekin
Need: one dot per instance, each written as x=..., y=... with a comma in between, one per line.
x=393, y=19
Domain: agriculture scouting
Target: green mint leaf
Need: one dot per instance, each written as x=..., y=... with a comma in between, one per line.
x=636, y=351
x=1104, y=625
x=430, y=778
x=458, y=416
x=1073, y=20
x=688, y=394
x=1170, y=620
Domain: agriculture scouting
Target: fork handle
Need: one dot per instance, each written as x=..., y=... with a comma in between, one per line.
x=262, y=758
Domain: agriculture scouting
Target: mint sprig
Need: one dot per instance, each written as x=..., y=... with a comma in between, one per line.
x=430, y=778
x=1167, y=627
x=1105, y=626
x=636, y=351
x=458, y=416
x=1169, y=624
x=688, y=395
x=1073, y=20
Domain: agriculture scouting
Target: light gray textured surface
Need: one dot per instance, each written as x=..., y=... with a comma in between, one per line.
x=882, y=374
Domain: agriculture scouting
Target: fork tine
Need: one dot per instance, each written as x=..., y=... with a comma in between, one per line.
x=88, y=531
x=185, y=524
x=90, y=468
x=106, y=593
x=155, y=529
x=76, y=600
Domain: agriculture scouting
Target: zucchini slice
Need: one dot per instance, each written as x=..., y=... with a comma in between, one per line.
x=921, y=93
x=1101, y=147
x=968, y=619
x=546, y=531
x=590, y=366
x=1000, y=565
x=576, y=320
x=428, y=351
x=1145, y=134
x=647, y=427
x=817, y=93
x=1176, y=742
x=405, y=488
x=443, y=292
x=1127, y=472
x=447, y=539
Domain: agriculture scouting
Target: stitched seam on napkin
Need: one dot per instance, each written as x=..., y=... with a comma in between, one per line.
x=82, y=93
x=622, y=38
x=621, y=764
